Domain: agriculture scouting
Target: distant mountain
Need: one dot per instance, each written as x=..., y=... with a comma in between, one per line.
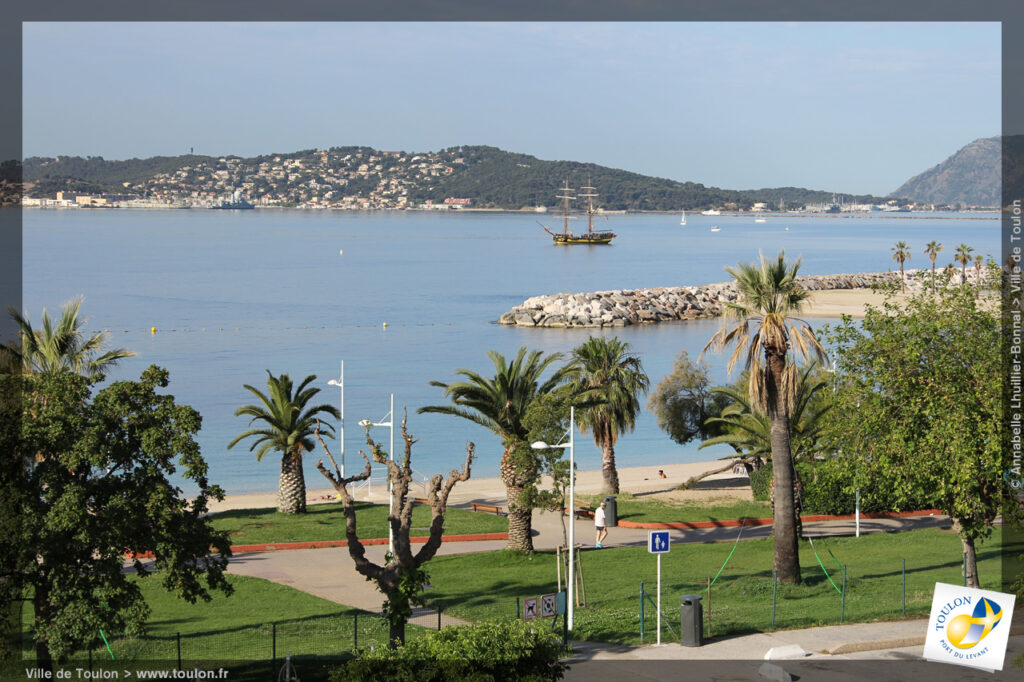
x=969, y=177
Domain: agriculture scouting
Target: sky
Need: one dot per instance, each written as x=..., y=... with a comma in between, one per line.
x=844, y=107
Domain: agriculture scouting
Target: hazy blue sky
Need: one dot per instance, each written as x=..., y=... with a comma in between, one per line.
x=847, y=107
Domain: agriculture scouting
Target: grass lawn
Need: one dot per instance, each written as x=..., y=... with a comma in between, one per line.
x=327, y=522
x=241, y=631
x=641, y=509
x=485, y=586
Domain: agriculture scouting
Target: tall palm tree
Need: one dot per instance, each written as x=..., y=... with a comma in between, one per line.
x=609, y=373
x=979, y=260
x=963, y=257
x=932, y=249
x=59, y=345
x=769, y=300
x=901, y=253
x=499, y=403
x=287, y=427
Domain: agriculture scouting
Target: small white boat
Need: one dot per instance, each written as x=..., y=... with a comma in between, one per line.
x=682, y=221
x=711, y=211
x=787, y=228
x=716, y=228
x=759, y=220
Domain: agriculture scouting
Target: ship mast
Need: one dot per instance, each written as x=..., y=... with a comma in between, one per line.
x=566, y=196
x=590, y=194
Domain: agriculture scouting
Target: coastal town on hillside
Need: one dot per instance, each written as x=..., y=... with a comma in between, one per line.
x=349, y=178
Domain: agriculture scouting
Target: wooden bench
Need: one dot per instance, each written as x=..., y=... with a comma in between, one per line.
x=584, y=511
x=489, y=508
x=421, y=500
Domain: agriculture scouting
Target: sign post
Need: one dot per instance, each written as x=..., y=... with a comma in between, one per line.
x=658, y=543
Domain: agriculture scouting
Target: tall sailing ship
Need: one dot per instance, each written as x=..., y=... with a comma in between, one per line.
x=592, y=236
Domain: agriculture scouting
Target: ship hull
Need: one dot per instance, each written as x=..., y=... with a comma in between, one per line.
x=594, y=238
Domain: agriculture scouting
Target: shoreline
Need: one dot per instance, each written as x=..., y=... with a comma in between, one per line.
x=636, y=479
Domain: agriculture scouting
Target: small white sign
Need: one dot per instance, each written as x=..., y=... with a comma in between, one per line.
x=969, y=627
x=548, y=605
x=657, y=542
x=530, y=608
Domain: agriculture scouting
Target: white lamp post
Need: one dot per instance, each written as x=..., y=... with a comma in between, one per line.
x=570, y=583
x=340, y=383
x=390, y=423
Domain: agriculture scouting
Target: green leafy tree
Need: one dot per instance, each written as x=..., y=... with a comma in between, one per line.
x=919, y=405
x=59, y=345
x=684, y=401
x=963, y=257
x=769, y=301
x=88, y=476
x=287, y=426
x=932, y=249
x=500, y=403
x=608, y=373
x=900, y=254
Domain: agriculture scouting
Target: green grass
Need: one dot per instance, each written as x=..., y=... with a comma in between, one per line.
x=485, y=586
x=640, y=509
x=327, y=522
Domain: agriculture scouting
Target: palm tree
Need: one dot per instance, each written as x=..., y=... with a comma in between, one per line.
x=749, y=431
x=288, y=427
x=609, y=373
x=932, y=249
x=963, y=257
x=979, y=260
x=769, y=300
x=901, y=253
x=500, y=404
x=60, y=345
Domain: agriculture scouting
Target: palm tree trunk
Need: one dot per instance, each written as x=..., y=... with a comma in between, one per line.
x=903, y=282
x=291, y=497
x=608, y=470
x=520, y=522
x=933, y=275
x=786, y=562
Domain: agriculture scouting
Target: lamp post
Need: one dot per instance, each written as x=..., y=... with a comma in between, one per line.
x=571, y=578
x=340, y=383
x=390, y=423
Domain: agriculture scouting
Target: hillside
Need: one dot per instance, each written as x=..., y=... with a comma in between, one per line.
x=367, y=178
x=970, y=177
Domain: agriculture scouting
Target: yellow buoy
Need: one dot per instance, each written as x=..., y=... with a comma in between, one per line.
x=341, y=252
x=152, y=330
x=385, y=325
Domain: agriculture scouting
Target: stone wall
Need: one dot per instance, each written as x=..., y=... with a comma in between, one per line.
x=623, y=307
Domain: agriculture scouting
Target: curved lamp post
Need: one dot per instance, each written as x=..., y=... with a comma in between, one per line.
x=390, y=423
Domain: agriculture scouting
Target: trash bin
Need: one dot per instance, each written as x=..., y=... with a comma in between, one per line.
x=691, y=617
x=611, y=512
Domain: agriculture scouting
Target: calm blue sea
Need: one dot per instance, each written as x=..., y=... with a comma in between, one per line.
x=234, y=293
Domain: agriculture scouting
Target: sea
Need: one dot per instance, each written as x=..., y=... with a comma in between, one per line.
x=405, y=298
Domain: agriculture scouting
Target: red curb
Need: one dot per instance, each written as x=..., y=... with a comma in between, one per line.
x=731, y=523
x=321, y=544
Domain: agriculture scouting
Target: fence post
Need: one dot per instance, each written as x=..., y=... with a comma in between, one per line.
x=273, y=645
x=775, y=589
x=179, y=649
x=904, y=587
x=641, y=611
x=438, y=618
x=842, y=613
x=518, y=614
x=709, y=607
x=355, y=632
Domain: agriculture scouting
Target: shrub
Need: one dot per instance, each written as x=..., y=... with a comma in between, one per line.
x=508, y=650
x=760, y=480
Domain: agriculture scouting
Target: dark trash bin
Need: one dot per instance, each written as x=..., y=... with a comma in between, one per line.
x=691, y=617
x=611, y=511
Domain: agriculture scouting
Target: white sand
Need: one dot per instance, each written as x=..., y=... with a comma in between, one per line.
x=640, y=481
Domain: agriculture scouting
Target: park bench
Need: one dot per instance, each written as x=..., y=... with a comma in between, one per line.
x=421, y=500
x=584, y=511
x=489, y=508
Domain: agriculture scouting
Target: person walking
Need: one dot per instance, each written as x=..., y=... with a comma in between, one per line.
x=599, y=525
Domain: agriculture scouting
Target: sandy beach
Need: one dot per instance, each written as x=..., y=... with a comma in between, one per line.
x=640, y=481
x=837, y=302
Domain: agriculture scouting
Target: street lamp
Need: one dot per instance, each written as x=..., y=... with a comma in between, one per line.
x=340, y=383
x=570, y=584
x=390, y=423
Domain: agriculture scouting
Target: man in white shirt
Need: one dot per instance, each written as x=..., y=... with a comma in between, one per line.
x=602, y=531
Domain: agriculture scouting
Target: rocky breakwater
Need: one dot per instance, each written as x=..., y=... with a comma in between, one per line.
x=624, y=307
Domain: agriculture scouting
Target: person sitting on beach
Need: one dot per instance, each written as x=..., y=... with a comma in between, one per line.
x=661, y=473
x=599, y=525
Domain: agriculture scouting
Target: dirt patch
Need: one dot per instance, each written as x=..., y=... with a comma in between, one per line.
x=722, y=489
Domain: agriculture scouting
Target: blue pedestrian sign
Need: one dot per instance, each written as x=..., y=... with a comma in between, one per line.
x=657, y=542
